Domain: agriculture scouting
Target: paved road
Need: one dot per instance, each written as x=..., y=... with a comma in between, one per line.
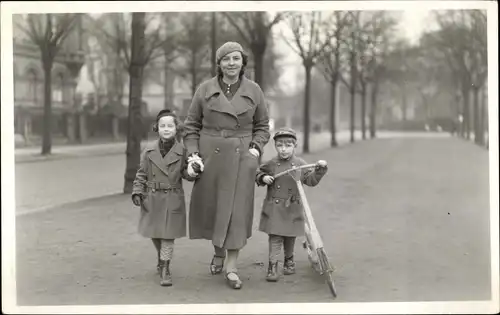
x=402, y=220
x=76, y=173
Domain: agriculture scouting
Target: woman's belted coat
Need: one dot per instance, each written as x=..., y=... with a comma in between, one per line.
x=221, y=131
x=159, y=181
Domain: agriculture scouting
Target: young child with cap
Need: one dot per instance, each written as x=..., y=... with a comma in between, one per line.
x=158, y=190
x=282, y=214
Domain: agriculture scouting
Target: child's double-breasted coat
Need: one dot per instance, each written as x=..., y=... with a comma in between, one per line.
x=282, y=212
x=159, y=181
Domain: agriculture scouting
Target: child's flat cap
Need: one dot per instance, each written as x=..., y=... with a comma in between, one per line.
x=285, y=132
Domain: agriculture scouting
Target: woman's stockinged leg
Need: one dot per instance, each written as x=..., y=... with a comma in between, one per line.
x=220, y=254
x=232, y=260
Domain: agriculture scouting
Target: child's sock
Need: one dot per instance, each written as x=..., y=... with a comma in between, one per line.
x=289, y=244
x=167, y=249
x=275, y=245
x=156, y=243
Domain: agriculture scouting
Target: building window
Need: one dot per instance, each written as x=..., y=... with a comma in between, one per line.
x=32, y=86
x=57, y=94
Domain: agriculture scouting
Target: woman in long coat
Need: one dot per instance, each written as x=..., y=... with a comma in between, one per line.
x=227, y=126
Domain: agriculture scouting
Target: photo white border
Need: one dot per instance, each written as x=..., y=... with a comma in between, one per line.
x=8, y=175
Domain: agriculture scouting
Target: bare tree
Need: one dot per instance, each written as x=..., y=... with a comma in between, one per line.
x=255, y=29
x=194, y=45
x=48, y=32
x=311, y=36
x=462, y=42
x=331, y=68
x=350, y=49
x=138, y=59
x=380, y=31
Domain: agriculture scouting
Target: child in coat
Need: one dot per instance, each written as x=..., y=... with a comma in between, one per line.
x=282, y=215
x=158, y=191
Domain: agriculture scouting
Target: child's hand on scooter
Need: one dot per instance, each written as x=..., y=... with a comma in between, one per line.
x=268, y=180
x=321, y=165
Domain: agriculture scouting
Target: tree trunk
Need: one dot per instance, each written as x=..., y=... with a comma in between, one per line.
x=484, y=117
x=47, y=104
x=214, y=44
x=305, y=148
x=352, y=88
x=373, y=110
x=166, y=90
x=404, y=107
x=363, y=110
x=333, y=112
x=477, y=126
x=259, y=68
x=134, y=128
x=466, y=111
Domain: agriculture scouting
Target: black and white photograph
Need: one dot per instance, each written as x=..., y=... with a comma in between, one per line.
x=253, y=157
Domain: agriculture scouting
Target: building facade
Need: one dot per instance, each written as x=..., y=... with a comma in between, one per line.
x=29, y=84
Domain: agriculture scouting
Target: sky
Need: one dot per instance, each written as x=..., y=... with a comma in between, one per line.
x=413, y=23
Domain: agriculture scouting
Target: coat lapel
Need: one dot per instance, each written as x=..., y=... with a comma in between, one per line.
x=156, y=158
x=245, y=98
x=174, y=155
x=220, y=103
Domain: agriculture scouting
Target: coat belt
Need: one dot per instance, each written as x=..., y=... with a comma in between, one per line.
x=227, y=133
x=161, y=186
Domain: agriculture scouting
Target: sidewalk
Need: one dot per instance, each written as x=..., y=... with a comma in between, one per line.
x=392, y=214
x=32, y=154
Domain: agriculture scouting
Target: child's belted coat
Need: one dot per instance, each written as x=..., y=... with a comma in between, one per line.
x=159, y=181
x=282, y=212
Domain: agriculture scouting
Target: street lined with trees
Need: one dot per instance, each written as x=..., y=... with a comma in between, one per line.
x=443, y=75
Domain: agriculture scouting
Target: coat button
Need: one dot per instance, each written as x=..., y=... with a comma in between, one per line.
x=154, y=190
x=278, y=164
x=277, y=201
x=237, y=150
x=278, y=186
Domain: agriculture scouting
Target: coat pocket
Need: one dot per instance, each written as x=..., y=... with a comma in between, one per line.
x=175, y=203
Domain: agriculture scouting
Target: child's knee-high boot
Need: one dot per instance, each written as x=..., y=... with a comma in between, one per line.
x=165, y=275
x=166, y=253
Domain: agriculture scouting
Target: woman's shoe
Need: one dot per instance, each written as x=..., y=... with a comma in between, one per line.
x=234, y=284
x=216, y=269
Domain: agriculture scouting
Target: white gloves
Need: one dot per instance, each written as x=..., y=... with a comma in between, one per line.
x=254, y=152
x=191, y=160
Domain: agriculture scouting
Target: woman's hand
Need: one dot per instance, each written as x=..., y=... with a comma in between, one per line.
x=254, y=152
x=195, y=165
x=268, y=180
